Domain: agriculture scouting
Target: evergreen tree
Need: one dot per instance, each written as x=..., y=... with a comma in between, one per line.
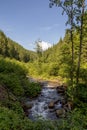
x=68, y=8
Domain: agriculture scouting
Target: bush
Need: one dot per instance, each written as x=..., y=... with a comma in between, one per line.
x=13, y=83
x=32, y=89
x=82, y=92
x=9, y=120
x=13, y=76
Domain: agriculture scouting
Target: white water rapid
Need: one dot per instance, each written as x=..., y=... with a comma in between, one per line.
x=40, y=109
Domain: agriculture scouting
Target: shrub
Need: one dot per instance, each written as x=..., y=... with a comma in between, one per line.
x=32, y=89
x=9, y=120
x=12, y=82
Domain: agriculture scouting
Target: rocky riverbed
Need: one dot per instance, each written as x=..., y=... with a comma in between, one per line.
x=50, y=104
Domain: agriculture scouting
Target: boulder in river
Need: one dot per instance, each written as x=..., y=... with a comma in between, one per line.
x=27, y=105
x=60, y=112
x=61, y=90
x=51, y=104
x=63, y=101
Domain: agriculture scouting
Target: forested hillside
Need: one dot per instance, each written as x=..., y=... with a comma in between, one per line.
x=9, y=48
x=56, y=61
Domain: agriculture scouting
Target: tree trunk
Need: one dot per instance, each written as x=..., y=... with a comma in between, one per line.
x=80, y=47
x=72, y=44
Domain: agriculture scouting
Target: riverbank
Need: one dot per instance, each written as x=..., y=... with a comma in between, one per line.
x=51, y=103
x=52, y=83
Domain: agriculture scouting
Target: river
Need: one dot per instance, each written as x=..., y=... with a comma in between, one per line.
x=40, y=106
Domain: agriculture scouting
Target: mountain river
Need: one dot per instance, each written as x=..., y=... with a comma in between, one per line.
x=40, y=106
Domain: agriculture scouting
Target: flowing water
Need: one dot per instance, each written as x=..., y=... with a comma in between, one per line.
x=40, y=107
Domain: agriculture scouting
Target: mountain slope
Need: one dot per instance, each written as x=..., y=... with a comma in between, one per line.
x=9, y=48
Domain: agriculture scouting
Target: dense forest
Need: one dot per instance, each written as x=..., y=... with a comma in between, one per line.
x=11, y=49
x=65, y=61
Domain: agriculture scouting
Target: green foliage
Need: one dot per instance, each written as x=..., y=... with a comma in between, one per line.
x=53, y=69
x=9, y=48
x=83, y=73
x=12, y=66
x=13, y=76
x=32, y=89
x=77, y=120
x=12, y=82
x=82, y=92
x=38, y=48
x=11, y=120
x=13, y=105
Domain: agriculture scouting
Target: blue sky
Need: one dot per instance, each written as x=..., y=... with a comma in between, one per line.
x=26, y=21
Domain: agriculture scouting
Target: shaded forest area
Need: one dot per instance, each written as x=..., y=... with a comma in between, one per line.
x=65, y=61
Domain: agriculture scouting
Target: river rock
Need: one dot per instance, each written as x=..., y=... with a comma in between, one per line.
x=63, y=101
x=28, y=105
x=51, y=104
x=61, y=90
x=60, y=112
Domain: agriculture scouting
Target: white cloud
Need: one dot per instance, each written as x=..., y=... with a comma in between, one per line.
x=44, y=45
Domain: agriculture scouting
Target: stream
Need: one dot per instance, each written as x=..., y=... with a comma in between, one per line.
x=40, y=106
